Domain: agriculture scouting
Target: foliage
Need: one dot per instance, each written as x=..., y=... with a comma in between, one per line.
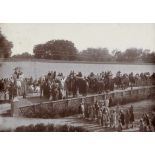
x=95, y=54
x=148, y=56
x=49, y=128
x=134, y=55
x=56, y=50
x=65, y=50
x=5, y=47
x=23, y=55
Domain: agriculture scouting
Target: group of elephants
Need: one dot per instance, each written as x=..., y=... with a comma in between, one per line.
x=105, y=81
x=59, y=87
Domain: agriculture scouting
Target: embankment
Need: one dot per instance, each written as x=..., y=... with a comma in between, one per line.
x=67, y=107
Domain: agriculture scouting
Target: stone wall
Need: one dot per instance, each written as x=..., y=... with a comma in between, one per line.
x=61, y=108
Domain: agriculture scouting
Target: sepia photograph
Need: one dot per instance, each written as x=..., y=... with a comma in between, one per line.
x=77, y=77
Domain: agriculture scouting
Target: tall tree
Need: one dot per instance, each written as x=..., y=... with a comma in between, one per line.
x=95, y=54
x=5, y=47
x=56, y=50
x=132, y=54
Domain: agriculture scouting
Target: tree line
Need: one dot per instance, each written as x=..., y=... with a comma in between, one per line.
x=66, y=50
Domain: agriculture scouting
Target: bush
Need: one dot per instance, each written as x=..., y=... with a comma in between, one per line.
x=20, y=129
x=40, y=128
x=29, y=128
x=49, y=128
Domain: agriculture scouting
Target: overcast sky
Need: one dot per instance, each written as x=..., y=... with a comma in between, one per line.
x=120, y=36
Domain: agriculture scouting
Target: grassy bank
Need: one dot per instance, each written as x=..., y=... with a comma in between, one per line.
x=75, y=61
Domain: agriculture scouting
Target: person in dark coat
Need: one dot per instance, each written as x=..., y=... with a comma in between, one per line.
x=54, y=75
x=41, y=83
x=127, y=119
x=11, y=90
x=74, y=86
x=132, y=119
x=147, y=122
x=1, y=85
x=141, y=126
x=120, y=126
x=122, y=117
x=153, y=122
x=110, y=102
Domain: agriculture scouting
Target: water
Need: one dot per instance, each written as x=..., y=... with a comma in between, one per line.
x=37, y=69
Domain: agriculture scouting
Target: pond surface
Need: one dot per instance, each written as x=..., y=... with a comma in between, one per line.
x=37, y=69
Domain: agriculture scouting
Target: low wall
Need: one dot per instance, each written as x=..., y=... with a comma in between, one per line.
x=61, y=108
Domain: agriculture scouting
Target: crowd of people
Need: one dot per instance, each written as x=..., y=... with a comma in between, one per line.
x=115, y=118
x=147, y=122
x=56, y=86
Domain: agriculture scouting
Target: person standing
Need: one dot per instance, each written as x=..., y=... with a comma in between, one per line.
x=141, y=126
x=115, y=119
x=103, y=119
x=110, y=102
x=11, y=91
x=127, y=119
x=120, y=127
x=91, y=113
x=112, y=118
x=106, y=102
x=99, y=116
x=147, y=122
x=153, y=122
x=117, y=111
x=131, y=116
x=82, y=109
x=122, y=118
x=96, y=109
x=41, y=83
